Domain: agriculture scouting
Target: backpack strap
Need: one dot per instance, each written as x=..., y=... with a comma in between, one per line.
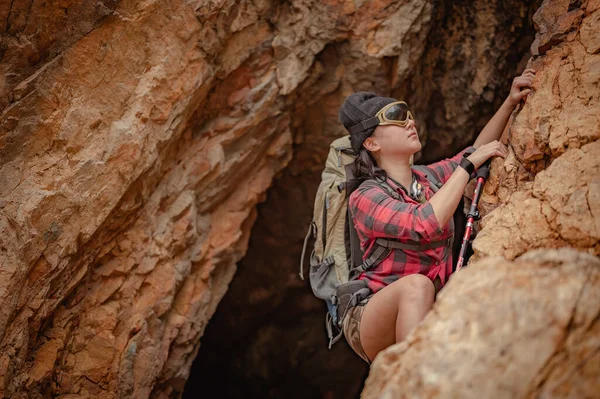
x=330, y=326
x=312, y=231
x=412, y=247
x=383, y=184
x=377, y=256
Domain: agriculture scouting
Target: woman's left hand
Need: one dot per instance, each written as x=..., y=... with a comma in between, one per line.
x=523, y=81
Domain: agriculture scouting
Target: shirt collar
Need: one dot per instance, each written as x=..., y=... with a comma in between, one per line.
x=417, y=184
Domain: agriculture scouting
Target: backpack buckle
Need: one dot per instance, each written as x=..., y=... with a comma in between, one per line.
x=348, y=295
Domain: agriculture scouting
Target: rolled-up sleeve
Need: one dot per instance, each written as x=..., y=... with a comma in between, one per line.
x=443, y=169
x=378, y=215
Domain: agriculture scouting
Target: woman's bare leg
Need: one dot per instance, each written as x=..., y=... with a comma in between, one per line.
x=394, y=311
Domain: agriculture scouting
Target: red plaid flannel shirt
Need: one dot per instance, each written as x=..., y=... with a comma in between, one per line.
x=377, y=215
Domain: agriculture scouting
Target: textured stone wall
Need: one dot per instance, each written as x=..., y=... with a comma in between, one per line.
x=136, y=139
x=547, y=191
x=528, y=328
x=501, y=329
x=267, y=335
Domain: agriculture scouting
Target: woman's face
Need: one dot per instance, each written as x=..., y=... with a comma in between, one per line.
x=394, y=140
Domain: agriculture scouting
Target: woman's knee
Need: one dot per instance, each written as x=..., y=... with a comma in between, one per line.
x=417, y=288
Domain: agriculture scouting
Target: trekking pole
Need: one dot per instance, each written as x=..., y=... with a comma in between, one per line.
x=481, y=176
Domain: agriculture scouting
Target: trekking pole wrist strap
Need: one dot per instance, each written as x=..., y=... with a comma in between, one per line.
x=467, y=166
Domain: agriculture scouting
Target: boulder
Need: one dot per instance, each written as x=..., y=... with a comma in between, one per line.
x=529, y=328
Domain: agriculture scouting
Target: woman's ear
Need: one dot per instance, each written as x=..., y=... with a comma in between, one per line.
x=371, y=144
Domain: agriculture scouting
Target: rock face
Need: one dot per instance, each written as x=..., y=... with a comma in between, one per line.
x=130, y=170
x=136, y=139
x=523, y=329
x=267, y=337
x=528, y=328
x=547, y=191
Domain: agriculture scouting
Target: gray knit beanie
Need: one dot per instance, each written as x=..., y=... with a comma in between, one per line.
x=359, y=107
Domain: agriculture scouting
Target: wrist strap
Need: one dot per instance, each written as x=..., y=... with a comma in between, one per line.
x=467, y=166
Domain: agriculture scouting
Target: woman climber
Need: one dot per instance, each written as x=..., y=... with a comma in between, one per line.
x=404, y=285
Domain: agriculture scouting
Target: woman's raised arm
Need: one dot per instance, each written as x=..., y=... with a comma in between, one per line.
x=445, y=201
x=494, y=128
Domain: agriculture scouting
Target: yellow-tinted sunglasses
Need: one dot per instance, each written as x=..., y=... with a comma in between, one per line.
x=396, y=113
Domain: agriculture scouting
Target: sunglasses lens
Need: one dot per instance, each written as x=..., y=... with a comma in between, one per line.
x=397, y=112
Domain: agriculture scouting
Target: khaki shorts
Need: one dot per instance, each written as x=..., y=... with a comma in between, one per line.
x=351, y=323
x=351, y=328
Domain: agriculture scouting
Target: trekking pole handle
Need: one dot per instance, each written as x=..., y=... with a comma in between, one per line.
x=484, y=170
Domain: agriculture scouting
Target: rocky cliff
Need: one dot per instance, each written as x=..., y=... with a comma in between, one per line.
x=528, y=328
x=547, y=191
x=266, y=337
x=137, y=139
x=130, y=172
x=522, y=329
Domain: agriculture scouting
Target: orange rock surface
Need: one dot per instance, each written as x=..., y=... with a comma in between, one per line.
x=529, y=328
x=137, y=138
